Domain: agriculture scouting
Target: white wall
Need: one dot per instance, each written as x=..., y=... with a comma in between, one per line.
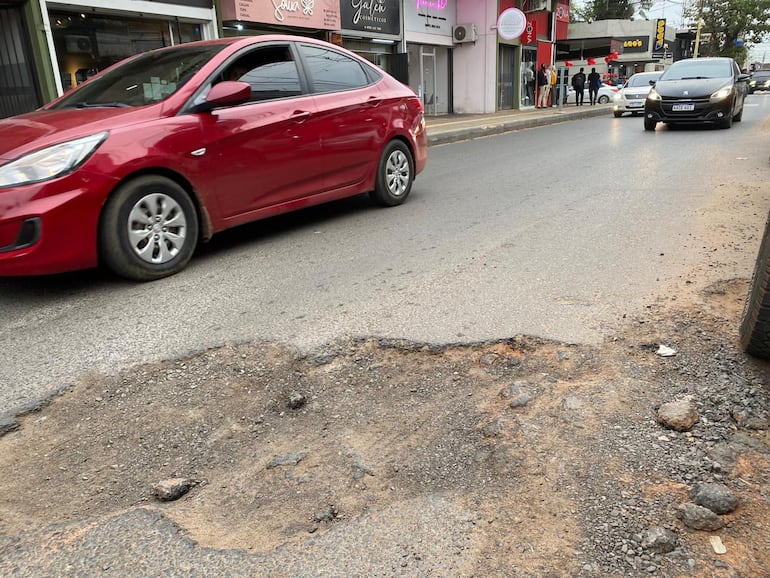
x=475, y=64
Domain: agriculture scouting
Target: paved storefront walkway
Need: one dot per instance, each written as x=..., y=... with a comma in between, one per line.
x=456, y=127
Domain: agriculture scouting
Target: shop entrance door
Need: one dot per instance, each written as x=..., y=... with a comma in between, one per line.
x=18, y=85
x=505, y=77
x=428, y=79
x=528, y=73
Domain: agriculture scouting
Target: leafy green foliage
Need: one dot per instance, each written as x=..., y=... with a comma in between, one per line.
x=726, y=21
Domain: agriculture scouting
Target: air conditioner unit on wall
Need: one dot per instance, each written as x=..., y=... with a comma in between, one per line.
x=75, y=43
x=465, y=33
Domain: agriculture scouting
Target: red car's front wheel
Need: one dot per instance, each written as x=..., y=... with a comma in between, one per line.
x=149, y=229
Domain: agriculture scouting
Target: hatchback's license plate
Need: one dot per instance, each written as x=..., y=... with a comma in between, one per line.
x=683, y=107
x=636, y=103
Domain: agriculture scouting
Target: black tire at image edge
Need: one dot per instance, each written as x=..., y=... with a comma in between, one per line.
x=755, y=321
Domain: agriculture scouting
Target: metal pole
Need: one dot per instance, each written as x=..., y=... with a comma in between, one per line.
x=697, y=32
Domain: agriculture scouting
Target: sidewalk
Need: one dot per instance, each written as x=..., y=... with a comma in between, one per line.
x=457, y=127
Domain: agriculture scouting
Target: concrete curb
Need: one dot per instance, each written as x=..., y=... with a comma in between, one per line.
x=502, y=123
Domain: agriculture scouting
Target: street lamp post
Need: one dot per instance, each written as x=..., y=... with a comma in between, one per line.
x=697, y=31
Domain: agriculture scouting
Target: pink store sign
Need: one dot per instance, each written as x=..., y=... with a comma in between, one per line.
x=324, y=14
x=437, y=4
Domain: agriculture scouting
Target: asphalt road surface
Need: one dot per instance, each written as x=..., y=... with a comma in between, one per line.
x=557, y=232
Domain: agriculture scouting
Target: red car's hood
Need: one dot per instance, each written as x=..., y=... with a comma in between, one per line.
x=35, y=130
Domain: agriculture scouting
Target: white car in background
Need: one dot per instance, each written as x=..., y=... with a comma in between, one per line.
x=606, y=93
x=630, y=98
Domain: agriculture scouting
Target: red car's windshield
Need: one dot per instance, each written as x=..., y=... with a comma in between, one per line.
x=147, y=79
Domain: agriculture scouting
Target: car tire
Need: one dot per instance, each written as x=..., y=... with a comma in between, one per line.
x=738, y=117
x=617, y=114
x=395, y=175
x=755, y=321
x=164, y=222
x=604, y=99
x=650, y=124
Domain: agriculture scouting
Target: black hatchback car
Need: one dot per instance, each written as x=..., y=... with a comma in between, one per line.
x=760, y=80
x=696, y=91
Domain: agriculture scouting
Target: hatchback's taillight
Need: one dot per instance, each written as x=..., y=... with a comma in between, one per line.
x=415, y=105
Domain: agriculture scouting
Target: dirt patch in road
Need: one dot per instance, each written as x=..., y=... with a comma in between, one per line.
x=553, y=447
x=537, y=458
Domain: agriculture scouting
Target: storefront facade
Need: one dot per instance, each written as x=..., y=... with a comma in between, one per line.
x=82, y=37
x=428, y=27
x=448, y=51
x=253, y=17
x=498, y=70
x=618, y=48
x=26, y=75
x=373, y=29
x=90, y=35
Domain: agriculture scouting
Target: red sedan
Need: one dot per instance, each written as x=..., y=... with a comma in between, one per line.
x=136, y=166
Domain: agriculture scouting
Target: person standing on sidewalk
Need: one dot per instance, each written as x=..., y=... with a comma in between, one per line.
x=552, y=82
x=594, y=82
x=579, y=84
x=544, y=83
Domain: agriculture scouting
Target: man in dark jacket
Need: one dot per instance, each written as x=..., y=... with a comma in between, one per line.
x=579, y=84
x=594, y=83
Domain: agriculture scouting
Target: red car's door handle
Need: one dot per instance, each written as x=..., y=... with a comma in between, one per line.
x=300, y=116
x=374, y=101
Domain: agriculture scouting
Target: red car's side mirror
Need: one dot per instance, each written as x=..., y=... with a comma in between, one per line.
x=226, y=93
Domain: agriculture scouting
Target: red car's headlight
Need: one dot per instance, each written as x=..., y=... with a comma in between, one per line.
x=50, y=162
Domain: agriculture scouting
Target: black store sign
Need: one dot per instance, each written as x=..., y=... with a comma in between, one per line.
x=373, y=16
x=633, y=44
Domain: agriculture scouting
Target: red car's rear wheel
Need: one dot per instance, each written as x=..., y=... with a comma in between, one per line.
x=395, y=174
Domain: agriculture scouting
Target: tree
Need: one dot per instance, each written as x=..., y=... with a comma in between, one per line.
x=594, y=10
x=727, y=21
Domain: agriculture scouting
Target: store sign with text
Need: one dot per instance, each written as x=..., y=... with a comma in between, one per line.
x=511, y=24
x=372, y=16
x=562, y=12
x=627, y=44
x=430, y=16
x=323, y=14
x=660, y=34
x=530, y=33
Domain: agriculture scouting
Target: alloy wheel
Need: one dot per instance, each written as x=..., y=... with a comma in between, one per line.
x=397, y=173
x=157, y=228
